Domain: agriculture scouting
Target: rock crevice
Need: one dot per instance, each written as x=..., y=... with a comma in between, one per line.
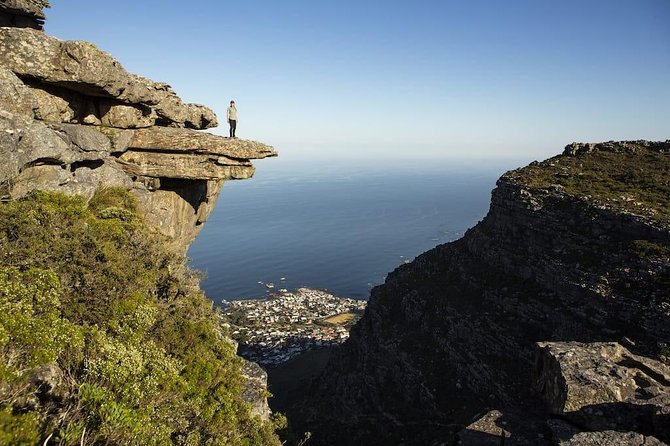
x=23, y=13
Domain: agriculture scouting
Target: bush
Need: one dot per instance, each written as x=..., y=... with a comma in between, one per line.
x=113, y=197
x=101, y=339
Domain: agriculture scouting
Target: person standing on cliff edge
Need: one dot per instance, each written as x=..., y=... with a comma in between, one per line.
x=231, y=115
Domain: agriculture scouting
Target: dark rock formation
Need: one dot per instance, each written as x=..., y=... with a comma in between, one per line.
x=72, y=119
x=23, y=13
x=573, y=249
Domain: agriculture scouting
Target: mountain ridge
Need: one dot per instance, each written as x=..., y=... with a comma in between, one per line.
x=456, y=334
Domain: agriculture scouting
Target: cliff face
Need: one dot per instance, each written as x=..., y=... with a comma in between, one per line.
x=73, y=120
x=550, y=317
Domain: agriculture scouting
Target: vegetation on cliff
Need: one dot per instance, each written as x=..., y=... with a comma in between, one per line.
x=631, y=177
x=105, y=336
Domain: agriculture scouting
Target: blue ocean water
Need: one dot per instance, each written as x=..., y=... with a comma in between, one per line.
x=340, y=226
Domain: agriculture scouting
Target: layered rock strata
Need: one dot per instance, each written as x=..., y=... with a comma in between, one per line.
x=573, y=254
x=72, y=119
x=23, y=13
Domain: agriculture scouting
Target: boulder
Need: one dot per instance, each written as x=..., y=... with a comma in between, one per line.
x=25, y=142
x=85, y=138
x=125, y=116
x=81, y=67
x=256, y=389
x=57, y=108
x=602, y=386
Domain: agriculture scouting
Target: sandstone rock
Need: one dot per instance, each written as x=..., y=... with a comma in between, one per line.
x=32, y=8
x=56, y=109
x=565, y=434
x=113, y=114
x=183, y=140
x=256, y=389
x=15, y=97
x=85, y=138
x=48, y=378
x=572, y=375
x=83, y=68
x=185, y=166
x=120, y=139
x=26, y=142
x=179, y=207
x=80, y=178
x=56, y=105
x=495, y=428
x=23, y=13
x=177, y=188
x=603, y=386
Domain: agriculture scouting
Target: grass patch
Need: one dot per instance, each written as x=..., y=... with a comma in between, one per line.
x=638, y=182
x=340, y=319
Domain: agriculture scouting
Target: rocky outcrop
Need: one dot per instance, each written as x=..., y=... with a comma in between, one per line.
x=98, y=89
x=256, y=389
x=602, y=387
x=23, y=13
x=575, y=254
x=72, y=119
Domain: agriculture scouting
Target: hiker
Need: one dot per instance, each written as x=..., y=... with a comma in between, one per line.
x=231, y=115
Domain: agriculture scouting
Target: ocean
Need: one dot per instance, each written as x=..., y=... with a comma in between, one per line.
x=340, y=226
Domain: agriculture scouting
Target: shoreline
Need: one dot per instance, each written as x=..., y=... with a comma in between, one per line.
x=275, y=329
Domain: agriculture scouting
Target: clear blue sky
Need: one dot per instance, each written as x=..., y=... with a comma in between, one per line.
x=475, y=78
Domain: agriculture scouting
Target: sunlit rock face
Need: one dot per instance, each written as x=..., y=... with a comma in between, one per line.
x=72, y=119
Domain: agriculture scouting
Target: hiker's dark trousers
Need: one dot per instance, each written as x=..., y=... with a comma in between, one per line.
x=233, y=127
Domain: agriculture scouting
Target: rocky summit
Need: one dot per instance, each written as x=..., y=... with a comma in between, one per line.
x=547, y=323
x=72, y=119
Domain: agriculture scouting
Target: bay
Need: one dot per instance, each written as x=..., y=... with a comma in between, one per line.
x=335, y=225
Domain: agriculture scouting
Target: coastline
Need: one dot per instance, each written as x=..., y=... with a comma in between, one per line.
x=273, y=330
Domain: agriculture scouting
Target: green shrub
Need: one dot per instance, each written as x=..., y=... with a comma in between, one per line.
x=19, y=429
x=113, y=197
x=89, y=294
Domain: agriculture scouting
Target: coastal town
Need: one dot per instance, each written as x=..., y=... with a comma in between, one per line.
x=273, y=330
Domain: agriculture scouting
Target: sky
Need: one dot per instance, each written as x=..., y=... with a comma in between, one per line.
x=480, y=79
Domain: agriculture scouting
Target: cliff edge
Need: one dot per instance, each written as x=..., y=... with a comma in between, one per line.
x=72, y=120
x=106, y=177
x=547, y=323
